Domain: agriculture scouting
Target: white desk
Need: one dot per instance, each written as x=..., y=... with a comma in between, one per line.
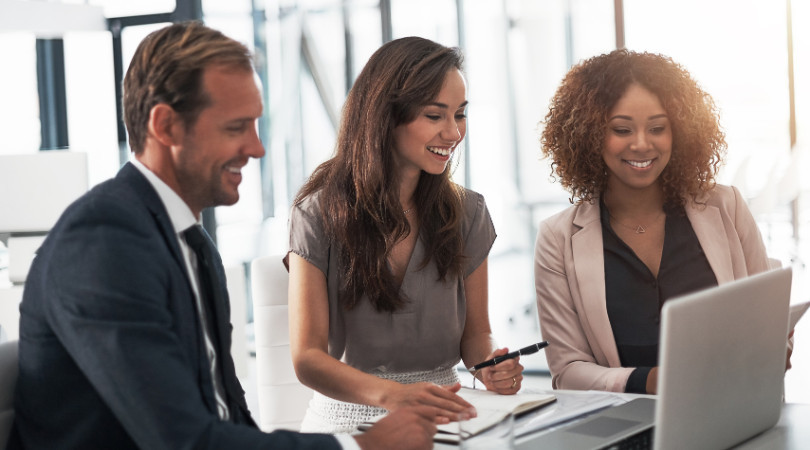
x=792, y=431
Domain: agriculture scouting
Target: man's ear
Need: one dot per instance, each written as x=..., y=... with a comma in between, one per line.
x=163, y=121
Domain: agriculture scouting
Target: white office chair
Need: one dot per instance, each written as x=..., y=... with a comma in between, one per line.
x=283, y=400
x=10, y=298
x=8, y=380
x=237, y=293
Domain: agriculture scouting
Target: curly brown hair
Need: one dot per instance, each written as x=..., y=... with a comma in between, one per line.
x=575, y=126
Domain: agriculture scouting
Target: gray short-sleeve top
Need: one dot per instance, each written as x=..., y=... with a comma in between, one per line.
x=426, y=333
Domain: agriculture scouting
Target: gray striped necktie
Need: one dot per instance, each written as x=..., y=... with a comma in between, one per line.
x=209, y=282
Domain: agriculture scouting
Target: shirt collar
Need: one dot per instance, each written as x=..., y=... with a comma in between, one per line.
x=179, y=213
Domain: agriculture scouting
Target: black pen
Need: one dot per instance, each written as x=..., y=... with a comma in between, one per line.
x=534, y=348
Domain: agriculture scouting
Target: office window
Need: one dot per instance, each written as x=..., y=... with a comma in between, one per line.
x=117, y=8
x=431, y=19
x=90, y=98
x=19, y=118
x=742, y=63
x=90, y=86
x=227, y=8
x=801, y=76
x=801, y=68
x=323, y=81
x=365, y=31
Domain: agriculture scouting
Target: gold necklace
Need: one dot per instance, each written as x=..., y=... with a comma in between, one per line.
x=406, y=211
x=638, y=229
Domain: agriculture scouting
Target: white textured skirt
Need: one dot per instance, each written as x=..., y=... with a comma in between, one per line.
x=327, y=415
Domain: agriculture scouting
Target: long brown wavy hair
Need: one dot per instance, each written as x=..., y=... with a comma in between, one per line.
x=359, y=186
x=575, y=126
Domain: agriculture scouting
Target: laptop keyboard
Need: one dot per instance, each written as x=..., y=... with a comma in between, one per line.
x=638, y=441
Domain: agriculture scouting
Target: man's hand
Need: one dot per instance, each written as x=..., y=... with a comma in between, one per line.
x=403, y=429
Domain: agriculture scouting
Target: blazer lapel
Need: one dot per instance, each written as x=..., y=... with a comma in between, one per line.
x=708, y=226
x=150, y=198
x=589, y=265
x=132, y=177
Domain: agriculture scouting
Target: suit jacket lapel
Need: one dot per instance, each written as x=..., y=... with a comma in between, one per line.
x=709, y=228
x=589, y=265
x=132, y=177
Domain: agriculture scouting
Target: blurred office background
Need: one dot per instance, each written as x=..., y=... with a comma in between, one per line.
x=60, y=62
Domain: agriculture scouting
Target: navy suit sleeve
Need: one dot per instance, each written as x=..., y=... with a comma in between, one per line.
x=119, y=303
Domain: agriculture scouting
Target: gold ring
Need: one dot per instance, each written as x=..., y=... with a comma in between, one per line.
x=514, y=383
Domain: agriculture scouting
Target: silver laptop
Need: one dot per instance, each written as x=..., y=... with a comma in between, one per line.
x=720, y=377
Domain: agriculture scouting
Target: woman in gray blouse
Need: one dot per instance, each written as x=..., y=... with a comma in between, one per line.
x=388, y=257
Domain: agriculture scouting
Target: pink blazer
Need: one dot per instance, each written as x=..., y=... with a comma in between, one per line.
x=570, y=281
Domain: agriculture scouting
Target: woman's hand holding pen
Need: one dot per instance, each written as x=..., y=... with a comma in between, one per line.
x=449, y=406
x=504, y=377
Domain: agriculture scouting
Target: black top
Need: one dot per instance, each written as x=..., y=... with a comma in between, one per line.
x=635, y=297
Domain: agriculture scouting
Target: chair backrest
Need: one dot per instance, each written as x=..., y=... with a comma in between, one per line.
x=10, y=298
x=237, y=294
x=8, y=380
x=283, y=400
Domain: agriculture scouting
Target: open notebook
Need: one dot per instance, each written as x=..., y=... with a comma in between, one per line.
x=491, y=407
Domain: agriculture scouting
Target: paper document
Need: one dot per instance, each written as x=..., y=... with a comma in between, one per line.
x=796, y=312
x=569, y=405
x=491, y=408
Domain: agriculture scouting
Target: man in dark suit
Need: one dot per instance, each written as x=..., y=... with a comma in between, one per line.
x=124, y=334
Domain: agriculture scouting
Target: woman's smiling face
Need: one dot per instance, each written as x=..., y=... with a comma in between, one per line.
x=427, y=142
x=638, y=141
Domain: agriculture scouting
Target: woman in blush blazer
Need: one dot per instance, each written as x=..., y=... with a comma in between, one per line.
x=637, y=143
